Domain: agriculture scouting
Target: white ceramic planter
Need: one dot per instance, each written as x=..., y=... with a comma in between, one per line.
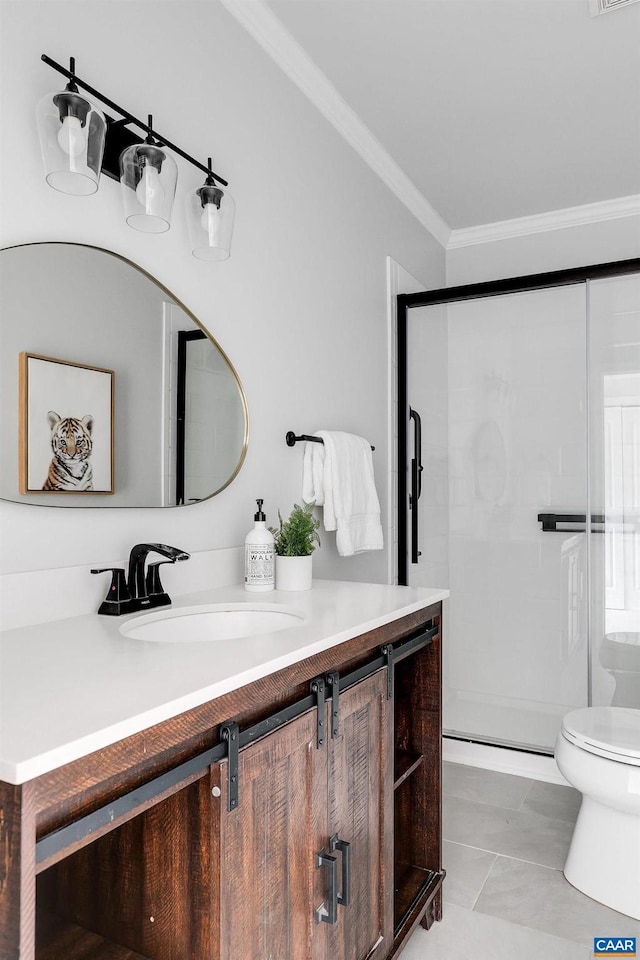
x=294, y=573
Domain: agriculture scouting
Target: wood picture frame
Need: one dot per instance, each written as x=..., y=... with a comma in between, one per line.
x=66, y=414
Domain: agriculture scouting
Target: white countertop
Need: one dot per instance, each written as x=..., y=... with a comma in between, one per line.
x=70, y=687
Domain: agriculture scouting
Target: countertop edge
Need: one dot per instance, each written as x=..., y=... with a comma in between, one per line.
x=18, y=772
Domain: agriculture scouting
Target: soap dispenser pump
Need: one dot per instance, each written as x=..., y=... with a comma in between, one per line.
x=259, y=555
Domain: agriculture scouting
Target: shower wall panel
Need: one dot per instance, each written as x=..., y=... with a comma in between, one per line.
x=614, y=377
x=516, y=440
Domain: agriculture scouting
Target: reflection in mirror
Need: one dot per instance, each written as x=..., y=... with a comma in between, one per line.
x=179, y=413
x=203, y=385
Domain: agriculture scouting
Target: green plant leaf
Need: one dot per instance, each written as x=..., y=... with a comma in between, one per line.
x=297, y=536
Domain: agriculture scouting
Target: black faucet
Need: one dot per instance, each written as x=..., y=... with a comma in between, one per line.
x=138, y=583
x=139, y=591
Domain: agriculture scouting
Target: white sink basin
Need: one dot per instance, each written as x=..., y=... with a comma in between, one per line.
x=215, y=621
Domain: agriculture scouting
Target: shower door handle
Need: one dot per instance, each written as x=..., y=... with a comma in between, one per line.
x=550, y=522
x=416, y=481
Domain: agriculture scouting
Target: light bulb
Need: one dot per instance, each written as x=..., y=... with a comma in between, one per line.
x=71, y=136
x=150, y=191
x=209, y=219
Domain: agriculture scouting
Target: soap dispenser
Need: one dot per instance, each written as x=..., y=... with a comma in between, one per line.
x=259, y=555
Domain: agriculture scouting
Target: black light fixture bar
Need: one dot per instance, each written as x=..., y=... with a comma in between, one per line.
x=127, y=117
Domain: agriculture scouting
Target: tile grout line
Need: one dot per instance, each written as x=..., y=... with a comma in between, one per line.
x=487, y=803
x=524, y=799
x=484, y=882
x=534, y=863
x=520, y=809
x=523, y=926
x=507, y=810
x=494, y=856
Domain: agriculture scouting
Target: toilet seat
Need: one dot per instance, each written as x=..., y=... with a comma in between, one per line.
x=611, y=732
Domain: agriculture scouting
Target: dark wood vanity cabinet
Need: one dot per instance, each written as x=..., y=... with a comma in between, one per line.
x=331, y=850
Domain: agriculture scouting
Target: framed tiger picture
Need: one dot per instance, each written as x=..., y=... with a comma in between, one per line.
x=66, y=427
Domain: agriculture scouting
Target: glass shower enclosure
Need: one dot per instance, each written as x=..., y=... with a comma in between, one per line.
x=519, y=491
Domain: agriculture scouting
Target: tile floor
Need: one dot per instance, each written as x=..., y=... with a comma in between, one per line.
x=505, y=842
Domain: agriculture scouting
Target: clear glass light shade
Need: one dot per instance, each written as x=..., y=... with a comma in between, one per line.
x=211, y=213
x=72, y=134
x=148, y=176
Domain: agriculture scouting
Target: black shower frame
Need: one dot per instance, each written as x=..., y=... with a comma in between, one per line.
x=471, y=291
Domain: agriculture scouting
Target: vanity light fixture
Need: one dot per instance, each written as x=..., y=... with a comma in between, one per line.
x=210, y=213
x=79, y=142
x=72, y=137
x=148, y=176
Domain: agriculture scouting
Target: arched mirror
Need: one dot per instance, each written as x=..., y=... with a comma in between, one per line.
x=111, y=392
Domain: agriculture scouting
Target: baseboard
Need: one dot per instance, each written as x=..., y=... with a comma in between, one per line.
x=535, y=766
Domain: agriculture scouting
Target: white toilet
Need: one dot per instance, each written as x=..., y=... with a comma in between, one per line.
x=598, y=753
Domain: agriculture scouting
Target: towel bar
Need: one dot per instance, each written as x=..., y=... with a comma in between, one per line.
x=291, y=439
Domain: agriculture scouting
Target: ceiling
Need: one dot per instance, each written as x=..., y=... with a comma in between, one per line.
x=494, y=109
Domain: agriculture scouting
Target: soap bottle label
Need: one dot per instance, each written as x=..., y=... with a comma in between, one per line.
x=259, y=564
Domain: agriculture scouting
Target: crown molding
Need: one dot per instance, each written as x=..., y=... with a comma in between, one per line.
x=543, y=222
x=259, y=21
x=598, y=7
x=277, y=42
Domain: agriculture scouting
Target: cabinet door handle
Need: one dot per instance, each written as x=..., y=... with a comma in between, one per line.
x=344, y=847
x=330, y=915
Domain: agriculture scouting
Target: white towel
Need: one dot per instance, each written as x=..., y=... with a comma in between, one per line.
x=313, y=474
x=338, y=475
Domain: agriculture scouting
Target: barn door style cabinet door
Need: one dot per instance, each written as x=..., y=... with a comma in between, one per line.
x=303, y=858
x=360, y=774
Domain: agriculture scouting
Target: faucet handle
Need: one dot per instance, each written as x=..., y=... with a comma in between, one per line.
x=118, y=599
x=155, y=590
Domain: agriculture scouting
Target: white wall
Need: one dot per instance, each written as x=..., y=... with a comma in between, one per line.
x=300, y=306
x=579, y=246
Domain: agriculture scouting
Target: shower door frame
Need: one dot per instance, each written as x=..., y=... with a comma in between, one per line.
x=472, y=291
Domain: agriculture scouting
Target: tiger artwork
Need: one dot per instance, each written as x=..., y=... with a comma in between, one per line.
x=70, y=467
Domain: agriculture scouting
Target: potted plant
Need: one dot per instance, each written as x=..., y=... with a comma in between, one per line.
x=294, y=542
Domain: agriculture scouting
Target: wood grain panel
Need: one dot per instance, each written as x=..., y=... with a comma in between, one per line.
x=17, y=872
x=60, y=940
x=418, y=837
x=145, y=885
x=267, y=846
x=359, y=790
